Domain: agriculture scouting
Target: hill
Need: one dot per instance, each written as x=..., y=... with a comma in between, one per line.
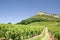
x=41, y=17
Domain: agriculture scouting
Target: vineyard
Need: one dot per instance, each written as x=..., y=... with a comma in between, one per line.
x=19, y=32
x=22, y=32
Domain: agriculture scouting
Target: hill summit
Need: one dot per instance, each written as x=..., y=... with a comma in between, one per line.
x=44, y=13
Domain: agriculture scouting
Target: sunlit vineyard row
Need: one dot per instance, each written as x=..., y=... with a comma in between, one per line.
x=19, y=32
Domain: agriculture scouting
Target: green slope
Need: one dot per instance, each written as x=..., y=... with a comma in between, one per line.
x=40, y=18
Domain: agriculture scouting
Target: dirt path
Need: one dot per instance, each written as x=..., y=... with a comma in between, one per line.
x=48, y=35
x=45, y=35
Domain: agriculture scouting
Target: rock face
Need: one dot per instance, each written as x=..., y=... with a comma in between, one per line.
x=44, y=13
x=40, y=13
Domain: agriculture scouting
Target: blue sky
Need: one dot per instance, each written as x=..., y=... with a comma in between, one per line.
x=16, y=10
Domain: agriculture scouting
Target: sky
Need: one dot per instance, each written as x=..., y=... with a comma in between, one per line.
x=16, y=10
